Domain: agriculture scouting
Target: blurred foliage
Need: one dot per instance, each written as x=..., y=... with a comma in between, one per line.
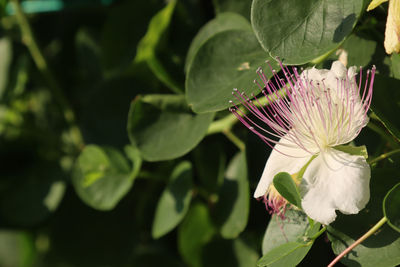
x=163, y=174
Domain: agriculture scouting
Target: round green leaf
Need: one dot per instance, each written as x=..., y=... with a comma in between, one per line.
x=300, y=31
x=385, y=110
x=294, y=230
x=281, y=231
x=288, y=254
x=163, y=128
x=174, y=201
x=227, y=60
x=194, y=232
x=380, y=249
x=241, y=7
x=391, y=205
x=102, y=176
x=234, y=199
x=223, y=22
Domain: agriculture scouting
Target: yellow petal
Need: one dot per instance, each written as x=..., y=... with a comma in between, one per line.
x=392, y=32
x=374, y=4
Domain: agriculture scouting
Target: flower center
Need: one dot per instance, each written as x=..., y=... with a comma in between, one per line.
x=311, y=114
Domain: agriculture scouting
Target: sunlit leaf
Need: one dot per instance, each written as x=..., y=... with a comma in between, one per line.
x=227, y=60
x=300, y=31
x=102, y=176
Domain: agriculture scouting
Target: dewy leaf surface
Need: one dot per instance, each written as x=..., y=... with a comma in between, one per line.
x=300, y=31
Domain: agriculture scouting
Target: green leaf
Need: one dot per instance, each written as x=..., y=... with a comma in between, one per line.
x=162, y=127
x=119, y=41
x=232, y=209
x=238, y=252
x=360, y=51
x=146, y=49
x=210, y=162
x=353, y=150
x=195, y=231
x=280, y=231
x=158, y=25
x=223, y=22
x=174, y=201
x=289, y=254
x=300, y=31
x=17, y=248
x=287, y=242
x=391, y=204
x=5, y=62
x=241, y=7
x=395, y=60
x=285, y=185
x=386, y=110
x=227, y=60
x=102, y=176
x=380, y=249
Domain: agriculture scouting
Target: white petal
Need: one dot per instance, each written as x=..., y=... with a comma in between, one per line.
x=392, y=32
x=278, y=162
x=335, y=181
x=338, y=70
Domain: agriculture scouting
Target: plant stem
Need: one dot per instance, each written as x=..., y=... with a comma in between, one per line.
x=384, y=156
x=323, y=229
x=361, y=239
x=234, y=139
x=389, y=138
x=41, y=63
x=220, y=125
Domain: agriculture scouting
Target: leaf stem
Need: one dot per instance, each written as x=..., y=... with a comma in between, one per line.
x=220, y=125
x=323, y=229
x=234, y=139
x=384, y=156
x=29, y=40
x=381, y=132
x=361, y=239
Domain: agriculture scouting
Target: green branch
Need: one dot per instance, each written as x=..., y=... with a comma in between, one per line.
x=29, y=40
x=234, y=139
x=384, y=156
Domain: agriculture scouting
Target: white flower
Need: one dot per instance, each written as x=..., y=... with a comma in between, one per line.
x=319, y=110
x=392, y=32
